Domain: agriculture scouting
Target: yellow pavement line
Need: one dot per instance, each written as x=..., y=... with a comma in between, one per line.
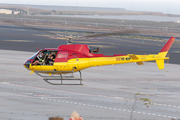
x=40, y=35
x=18, y=40
x=101, y=46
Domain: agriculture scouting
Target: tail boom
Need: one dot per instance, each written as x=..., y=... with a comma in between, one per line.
x=131, y=58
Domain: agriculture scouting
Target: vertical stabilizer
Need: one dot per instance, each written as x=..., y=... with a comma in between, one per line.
x=162, y=54
x=160, y=64
x=166, y=47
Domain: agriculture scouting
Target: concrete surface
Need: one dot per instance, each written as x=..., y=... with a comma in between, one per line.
x=103, y=95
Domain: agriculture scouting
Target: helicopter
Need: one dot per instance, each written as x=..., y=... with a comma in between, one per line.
x=73, y=58
x=54, y=63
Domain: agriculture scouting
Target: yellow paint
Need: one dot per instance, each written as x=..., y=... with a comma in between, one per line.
x=78, y=64
x=134, y=57
x=162, y=54
x=60, y=63
x=31, y=72
x=160, y=64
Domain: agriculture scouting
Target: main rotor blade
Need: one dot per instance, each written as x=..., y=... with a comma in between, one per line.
x=115, y=33
x=27, y=26
x=88, y=36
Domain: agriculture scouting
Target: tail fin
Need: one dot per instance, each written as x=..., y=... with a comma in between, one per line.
x=160, y=64
x=166, y=47
x=162, y=54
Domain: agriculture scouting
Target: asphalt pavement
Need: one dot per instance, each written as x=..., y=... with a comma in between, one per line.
x=25, y=39
x=108, y=91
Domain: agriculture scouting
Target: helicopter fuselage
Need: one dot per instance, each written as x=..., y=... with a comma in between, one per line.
x=77, y=57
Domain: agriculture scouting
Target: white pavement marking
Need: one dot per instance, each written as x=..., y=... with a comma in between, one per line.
x=166, y=105
x=77, y=92
x=104, y=107
x=98, y=106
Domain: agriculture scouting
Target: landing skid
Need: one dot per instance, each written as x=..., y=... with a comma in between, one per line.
x=60, y=78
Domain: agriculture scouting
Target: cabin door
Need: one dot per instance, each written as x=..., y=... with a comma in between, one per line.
x=61, y=58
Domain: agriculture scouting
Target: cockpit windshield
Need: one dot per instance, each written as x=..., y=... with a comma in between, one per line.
x=44, y=57
x=32, y=57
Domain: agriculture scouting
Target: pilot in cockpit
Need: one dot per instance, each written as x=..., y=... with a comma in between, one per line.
x=40, y=59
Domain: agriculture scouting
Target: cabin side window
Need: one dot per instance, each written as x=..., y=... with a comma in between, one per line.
x=62, y=56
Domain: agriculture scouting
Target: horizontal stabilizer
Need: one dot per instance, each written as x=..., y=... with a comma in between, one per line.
x=140, y=63
x=133, y=56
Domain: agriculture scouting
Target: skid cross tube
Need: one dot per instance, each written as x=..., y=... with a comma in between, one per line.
x=61, y=77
